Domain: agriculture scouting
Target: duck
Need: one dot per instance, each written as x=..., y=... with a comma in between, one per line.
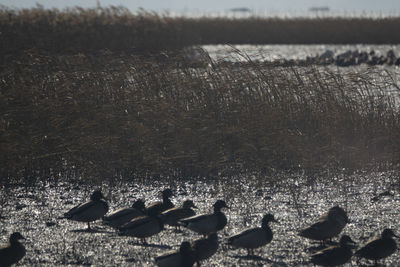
x=204, y=248
x=254, y=237
x=183, y=257
x=207, y=223
x=173, y=215
x=124, y=215
x=160, y=206
x=13, y=252
x=379, y=247
x=334, y=255
x=143, y=226
x=327, y=226
x=89, y=211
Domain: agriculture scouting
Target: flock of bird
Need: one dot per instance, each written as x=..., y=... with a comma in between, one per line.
x=142, y=221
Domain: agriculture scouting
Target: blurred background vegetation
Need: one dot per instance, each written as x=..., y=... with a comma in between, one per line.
x=117, y=29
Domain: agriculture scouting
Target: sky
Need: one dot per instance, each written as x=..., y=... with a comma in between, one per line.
x=277, y=6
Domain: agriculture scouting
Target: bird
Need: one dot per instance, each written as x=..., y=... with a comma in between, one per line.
x=13, y=251
x=173, y=215
x=254, y=237
x=143, y=226
x=204, y=248
x=328, y=225
x=89, y=211
x=379, y=247
x=160, y=206
x=334, y=255
x=183, y=257
x=207, y=223
x=124, y=215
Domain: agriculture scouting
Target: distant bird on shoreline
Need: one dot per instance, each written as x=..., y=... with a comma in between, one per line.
x=379, y=247
x=334, y=255
x=13, y=251
x=89, y=211
x=328, y=225
x=205, y=224
x=254, y=237
x=124, y=215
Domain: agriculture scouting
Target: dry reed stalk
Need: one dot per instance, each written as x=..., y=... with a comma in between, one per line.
x=120, y=113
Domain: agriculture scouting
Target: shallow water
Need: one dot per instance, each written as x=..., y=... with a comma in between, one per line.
x=295, y=201
x=273, y=53
x=282, y=51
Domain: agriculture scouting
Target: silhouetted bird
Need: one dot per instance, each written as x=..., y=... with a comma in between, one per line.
x=13, y=251
x=177, y=258
x=160, y=206
x=327, y=226
x=379, y=247
x=207, y=223
x=143, y=226
x=254, y=237
x=89, y=211
x=204, y=248
x=334, y=255
x=173, y=215
x=124, y=215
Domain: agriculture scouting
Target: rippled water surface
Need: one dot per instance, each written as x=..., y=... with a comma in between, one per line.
x=295, y=201
x=274, y=52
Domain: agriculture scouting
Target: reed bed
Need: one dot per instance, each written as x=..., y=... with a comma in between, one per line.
x=77, y=30
x=113, y=115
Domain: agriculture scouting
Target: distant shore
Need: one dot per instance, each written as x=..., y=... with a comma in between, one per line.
x=117, y=29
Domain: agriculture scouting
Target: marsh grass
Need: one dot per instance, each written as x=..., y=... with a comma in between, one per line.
x=106, y=93
x=111, y=115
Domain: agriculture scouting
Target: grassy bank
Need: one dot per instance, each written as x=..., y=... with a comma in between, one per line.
x=117, y=29
x=115, y=113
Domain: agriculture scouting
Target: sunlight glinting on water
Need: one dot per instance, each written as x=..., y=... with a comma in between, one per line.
x=270, y=13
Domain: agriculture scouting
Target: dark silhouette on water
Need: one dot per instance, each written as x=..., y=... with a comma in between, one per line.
x=160, y=206
x=124, y=215
x=328, y=225
x=13, y=251
x=177, y=258
x=254, y=237
x=204, y=248
x=379, y=247
x=334, y=255
x=174, y=215
x=89, y=211
x=205, y=224
x=143, y=226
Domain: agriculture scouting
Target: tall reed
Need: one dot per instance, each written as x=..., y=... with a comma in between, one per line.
x=110, y=114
